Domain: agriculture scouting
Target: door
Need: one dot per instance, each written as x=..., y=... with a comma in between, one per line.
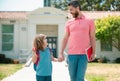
x=52, y=44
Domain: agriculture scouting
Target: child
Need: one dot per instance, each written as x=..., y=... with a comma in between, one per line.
x=42, y=59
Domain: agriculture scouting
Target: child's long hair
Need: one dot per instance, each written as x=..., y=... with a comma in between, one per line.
x=39, y=42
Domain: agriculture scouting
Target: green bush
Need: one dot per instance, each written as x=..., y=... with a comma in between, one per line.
x=108, y=29
x=117, y=60
x=2, y=58
x=5, y=60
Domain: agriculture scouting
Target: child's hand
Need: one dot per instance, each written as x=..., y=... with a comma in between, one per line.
x=60, y=60
x=55, y=59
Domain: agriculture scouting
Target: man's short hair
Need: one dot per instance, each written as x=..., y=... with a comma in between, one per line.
x=75, y=3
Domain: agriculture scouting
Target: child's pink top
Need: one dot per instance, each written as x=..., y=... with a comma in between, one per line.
x=79, y=34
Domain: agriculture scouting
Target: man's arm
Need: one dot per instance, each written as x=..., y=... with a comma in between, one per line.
x=93, y=40
x=63, y=46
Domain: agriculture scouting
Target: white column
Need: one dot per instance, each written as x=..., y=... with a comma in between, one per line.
x=23, y=36
x=31, y=35
x=16, y=39
x=61, y=29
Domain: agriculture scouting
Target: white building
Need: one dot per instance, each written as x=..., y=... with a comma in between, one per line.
x=18, y=29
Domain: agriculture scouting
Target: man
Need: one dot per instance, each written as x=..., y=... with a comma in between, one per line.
x=80, y=34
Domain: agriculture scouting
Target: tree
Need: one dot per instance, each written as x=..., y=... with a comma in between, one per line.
x=108, y=29
x=111, y=5
x=60, y=4
x=88, y=5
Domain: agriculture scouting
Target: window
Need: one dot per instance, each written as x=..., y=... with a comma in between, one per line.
x=106, y=45
x=47, y=3
x=7, y=37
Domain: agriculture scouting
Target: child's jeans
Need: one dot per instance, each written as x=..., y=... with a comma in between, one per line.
x=77, y=65
x=43, y=78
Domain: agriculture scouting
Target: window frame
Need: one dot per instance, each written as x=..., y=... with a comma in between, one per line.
x=9, y=34
x=103, y=43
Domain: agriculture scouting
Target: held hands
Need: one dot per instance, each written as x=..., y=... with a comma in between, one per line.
x=61, y=58
x=55, y=60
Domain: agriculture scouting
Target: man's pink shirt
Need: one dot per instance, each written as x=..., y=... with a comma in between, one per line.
x=79, y=34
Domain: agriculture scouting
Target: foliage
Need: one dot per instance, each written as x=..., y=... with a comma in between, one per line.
x=117, y=60
x=108, y=29
x=60, y=4
x=97, y=5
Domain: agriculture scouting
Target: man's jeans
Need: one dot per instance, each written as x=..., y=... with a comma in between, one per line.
x=77, y=65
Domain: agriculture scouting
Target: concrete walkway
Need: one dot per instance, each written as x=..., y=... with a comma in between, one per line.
x=60, y=73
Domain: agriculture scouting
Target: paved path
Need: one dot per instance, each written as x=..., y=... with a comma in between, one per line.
x=60, y=73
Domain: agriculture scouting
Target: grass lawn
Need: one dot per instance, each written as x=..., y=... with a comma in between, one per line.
x=103, y=72
x=8, y=69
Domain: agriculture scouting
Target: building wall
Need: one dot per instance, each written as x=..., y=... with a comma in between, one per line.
x=20, y=37
x=111, y=55
x=49, y=30
x=46, y=16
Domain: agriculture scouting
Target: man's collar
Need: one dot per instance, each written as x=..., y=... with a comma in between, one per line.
x=82, y=17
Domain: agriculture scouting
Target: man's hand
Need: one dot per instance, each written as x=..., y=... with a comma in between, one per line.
x=61, y=58
x=92, y=57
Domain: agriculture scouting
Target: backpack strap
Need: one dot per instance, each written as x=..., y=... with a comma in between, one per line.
x=38, y=57
x=37, y=52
